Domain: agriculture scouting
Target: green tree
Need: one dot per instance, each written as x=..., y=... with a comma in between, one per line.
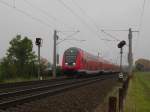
x=8, y=70
x=20, y=60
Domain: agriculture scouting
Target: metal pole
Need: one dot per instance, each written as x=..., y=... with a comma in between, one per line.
x=39, y=61
x=54, y=57
x=130, y=55
x=121, y=52
x=121, y=99
x=112, y=104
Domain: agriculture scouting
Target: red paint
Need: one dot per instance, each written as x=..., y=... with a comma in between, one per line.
x=88, y=62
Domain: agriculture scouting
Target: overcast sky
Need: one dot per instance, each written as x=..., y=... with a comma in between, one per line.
x=39, y=18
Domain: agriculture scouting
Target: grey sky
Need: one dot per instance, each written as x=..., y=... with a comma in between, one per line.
x=106, y=14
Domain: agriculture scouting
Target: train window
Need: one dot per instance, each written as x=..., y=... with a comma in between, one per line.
x=71, y=51
x=71, y=55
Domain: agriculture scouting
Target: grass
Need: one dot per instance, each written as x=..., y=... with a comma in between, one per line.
x=21, y=79
x=17, y=80
x=113, y=92
x=138, y=98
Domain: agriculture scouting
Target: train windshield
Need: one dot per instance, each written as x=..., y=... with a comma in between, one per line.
x=70, y=56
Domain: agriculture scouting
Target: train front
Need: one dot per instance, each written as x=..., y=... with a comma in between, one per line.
x=71, y=60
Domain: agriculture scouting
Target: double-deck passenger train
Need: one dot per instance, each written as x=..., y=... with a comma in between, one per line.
x=79, y=62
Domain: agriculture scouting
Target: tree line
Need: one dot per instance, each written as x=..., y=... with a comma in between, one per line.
x=20, y=60
x=142, y=64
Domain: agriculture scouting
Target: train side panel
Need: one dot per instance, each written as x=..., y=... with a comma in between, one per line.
x=77, y=61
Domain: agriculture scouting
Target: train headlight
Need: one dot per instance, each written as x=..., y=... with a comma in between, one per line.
x=66, y=63
x=74, y=64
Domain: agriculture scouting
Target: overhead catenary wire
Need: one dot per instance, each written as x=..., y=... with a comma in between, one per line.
x=41, y=10
x=46, y=13
x=67, y=37
x=27, y=14
x=142, y=14
x=90, y=19
x=74, y=13
x=140, y=23
x=96, y=26
x=81, y=20
x=84, y=12
x=110, y=35
x=39, y=20
x=14, y=3
x=141, y=18
x=115, y=30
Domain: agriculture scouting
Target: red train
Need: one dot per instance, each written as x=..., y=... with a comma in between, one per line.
x=76, y=61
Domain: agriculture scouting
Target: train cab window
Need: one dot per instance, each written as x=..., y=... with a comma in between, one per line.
x=70, y=56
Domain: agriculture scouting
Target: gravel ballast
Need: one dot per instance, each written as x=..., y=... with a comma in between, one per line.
x=83, y=99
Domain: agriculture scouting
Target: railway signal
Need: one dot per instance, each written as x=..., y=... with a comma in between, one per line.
x=121, y=45
x=130, y=54
x=38, y=42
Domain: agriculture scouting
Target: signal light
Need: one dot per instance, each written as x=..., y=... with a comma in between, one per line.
x=38, y=41
x=121, y=44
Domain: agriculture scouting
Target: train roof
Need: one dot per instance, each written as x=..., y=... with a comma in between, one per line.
x=74, y=48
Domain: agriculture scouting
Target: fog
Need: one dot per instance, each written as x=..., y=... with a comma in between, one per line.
x=39, y=18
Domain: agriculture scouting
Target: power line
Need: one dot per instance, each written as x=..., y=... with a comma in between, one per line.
x=36, y=7
x=115, y=30
x=26, y=14
x=67, y=7
x=67, y=31
x=73, y=12
x=14, y=3
x=84, y=12
x=81, y=20
x=68, y=37
x=110, y=35
x=90, y=19
x=142, y=14
x=140, y=23
x=44, y=12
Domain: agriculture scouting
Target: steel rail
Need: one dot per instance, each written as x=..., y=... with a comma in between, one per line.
x=38, y=88
x=52, y=91
x=20, y=85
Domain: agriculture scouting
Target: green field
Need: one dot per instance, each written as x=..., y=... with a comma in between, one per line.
x=138, y=98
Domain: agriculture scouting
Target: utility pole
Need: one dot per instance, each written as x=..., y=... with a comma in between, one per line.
x=121, y=52
x=130, y=55
x=54, y=55
x=39, y=62
x=38, y=43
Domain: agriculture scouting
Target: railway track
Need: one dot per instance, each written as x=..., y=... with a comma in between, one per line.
x=29, y=92
x=7, y=87
x=22, y=95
